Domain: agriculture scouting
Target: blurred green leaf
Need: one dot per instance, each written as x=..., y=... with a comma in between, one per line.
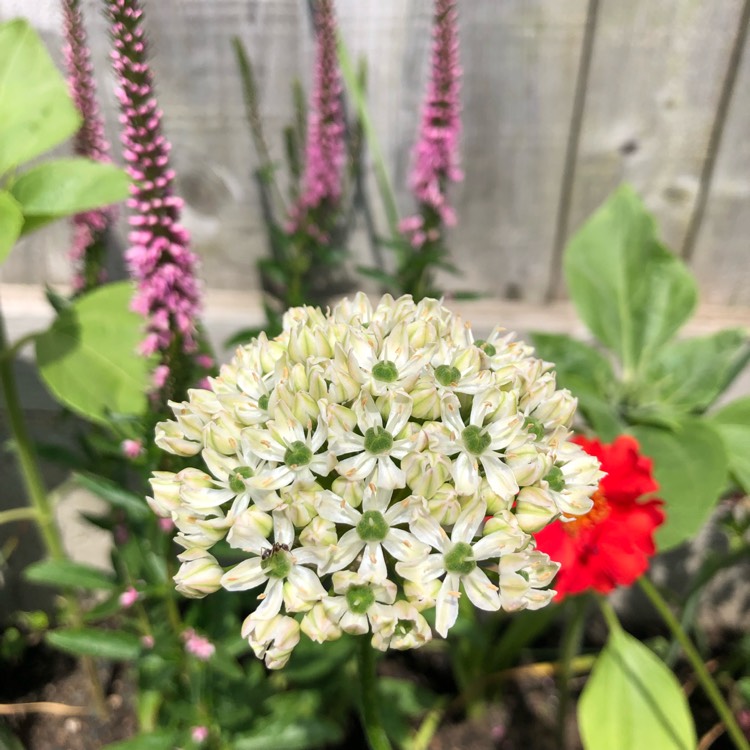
x=160, y=740
x=632, y=700
x=690, y=465
x=692, y=373
x=36, y=112
x=11, y=221
x=89, y=360
x=69, y=186
x=631, y=292
x=8, y=740
x=105, y=644
x=732, y=422
x=291, y=733
x=68, y=573
x=134, y=505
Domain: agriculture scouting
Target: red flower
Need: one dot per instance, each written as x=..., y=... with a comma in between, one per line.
x=611, y=545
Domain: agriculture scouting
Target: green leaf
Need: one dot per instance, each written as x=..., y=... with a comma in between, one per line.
x=134, y=505
x=88, y=357
x=160, y=740
x=733, y=424
x=588, y=375
x=106, y=644
x=36, y=112
x=291, y=734
x=69, y=186
x=68, y=573
x=8, y=740
x=631, y=292
x=632, y=700
x=11, y=221
x=691, y=374
x=690, y=465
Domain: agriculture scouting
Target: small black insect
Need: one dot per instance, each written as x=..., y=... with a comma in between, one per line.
x=268, y=551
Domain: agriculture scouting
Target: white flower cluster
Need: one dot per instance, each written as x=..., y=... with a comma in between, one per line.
x=373, y=463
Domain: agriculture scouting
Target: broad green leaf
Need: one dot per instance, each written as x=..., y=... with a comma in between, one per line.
x=69, y=186
x=733, y=424
x=588, y=375
x=36, y=112
x=69, y=573
x=134, y=505
x=690, y=465
x=631, y=292
x=160, y=740
x=291, y=734
x=106, y=644
x=88, y=358
x=692, y=373
x=632, y=700
x=11, y=221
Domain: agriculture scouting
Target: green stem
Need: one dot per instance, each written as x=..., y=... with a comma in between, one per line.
x=703, y=675
x=360, y=106
x=17, y=514
x=571, y=644
x=426, y=731
x=370, y=706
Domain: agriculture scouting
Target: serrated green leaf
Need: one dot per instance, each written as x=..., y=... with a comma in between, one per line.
x=690, y=466
x=68, y=186
x=11, y=221
x=632, y=293
x=67, y=573
x=36, y=112
x=692, y=373
x=732, y=422
x=632, y=700
x=88, y=358
x=134, y=505
x=105, y=644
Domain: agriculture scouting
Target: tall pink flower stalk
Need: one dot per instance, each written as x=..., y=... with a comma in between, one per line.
x=436, y=159
x=325, y=150
x=90, y=227
x=159, y=257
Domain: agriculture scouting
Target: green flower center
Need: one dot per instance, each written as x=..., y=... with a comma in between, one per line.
x=403, y=628
x=460, y=559
x=360, y=598
x=263, y=402
x=556, y=479
x=297, y=454
x=534, y=426
x=277, y=564
x=378, y=440
x=476, y=439
x=238, y=476
x=372, y=527
x=488, y=349
x=385, y=371
x=447, y=375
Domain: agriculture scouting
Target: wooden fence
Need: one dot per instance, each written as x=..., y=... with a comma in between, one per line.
x=562, y=100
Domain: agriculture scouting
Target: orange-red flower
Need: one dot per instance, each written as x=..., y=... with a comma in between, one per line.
x=611, y=545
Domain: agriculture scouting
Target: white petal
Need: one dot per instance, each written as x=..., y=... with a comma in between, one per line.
x=261, y=444
x=468, y=523
x=429, y=531
x=275, y=479
x=451, y=411
x=446, y=606
x=356, y=467
x=389, y=476
x=499, y=476
x=422, y=571
x=376, y=498
x=302, y=589
x=404, y=546
x=273, y=598
x=334, y=508
x=399, y=414
x=372, y=567
x=466, y=474
x=247, y=575
x=482, y=592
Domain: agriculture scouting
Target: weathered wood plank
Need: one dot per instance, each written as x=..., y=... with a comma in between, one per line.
x=655, y=80
x=520, y=61
x=721, y=257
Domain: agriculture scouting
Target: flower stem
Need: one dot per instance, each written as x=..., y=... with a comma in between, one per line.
x=370, y=706
x=703, y=675
x=571, y=644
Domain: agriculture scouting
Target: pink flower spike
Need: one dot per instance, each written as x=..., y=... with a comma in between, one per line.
x=166, y=525
x=199, y=734
x=197, y=645
x=132, y=448
x=129, y=597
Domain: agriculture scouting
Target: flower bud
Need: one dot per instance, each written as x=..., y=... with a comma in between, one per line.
x=170, y=437
x=445, y=505
x=249, y=529
x=319, y=533
x=535, y=509
x=352, y=492
x=527, y=463
x=223, y=437
x=199, y=575
x=166, y=488
x=426, y=472
x=273, y=639
x=425, y=400
x=318, y=626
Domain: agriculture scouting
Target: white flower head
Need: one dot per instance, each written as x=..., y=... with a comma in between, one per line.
x=370, y=464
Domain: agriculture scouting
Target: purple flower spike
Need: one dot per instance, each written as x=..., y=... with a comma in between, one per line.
x=436, y=151
x=159, y=257
x=325, y=148
x=89, y=228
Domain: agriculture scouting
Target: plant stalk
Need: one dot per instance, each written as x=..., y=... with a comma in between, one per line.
x=571, y=644
x=704, y=676
x=370, y=706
